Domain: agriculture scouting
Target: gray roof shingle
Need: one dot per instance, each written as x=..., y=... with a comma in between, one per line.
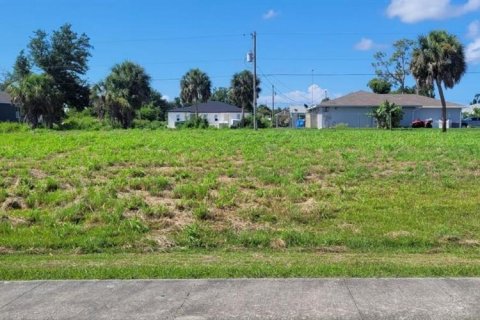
x=368, y=99
x=5, y=98
x=210, y=107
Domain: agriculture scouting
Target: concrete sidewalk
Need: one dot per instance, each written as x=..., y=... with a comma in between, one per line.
x=243, y=299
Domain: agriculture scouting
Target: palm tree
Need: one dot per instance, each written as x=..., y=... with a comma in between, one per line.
x=438, y=59
x=130, y=81
x=125, y=90
x=97, y=97
x=195, y=87
x=37, y=97
x=242, y=90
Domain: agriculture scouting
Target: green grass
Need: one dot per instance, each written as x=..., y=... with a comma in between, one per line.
x=161, y=202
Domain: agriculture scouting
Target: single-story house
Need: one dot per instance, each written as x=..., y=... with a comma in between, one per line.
x=353, y=110
x=8, y=111
x=217, y=113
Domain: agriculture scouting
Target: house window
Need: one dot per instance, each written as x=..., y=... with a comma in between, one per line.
x=238, y=115
x=178, y=117
x=326, y=109
x=216, y=117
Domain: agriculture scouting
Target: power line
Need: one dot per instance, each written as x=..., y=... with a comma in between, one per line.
x=290, y=89
x=280, y=93
x=333, y=74
x=231, y=35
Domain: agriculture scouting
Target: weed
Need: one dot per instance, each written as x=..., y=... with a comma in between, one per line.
x=202, y=212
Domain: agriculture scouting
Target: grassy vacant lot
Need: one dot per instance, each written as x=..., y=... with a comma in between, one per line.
x=215, y=203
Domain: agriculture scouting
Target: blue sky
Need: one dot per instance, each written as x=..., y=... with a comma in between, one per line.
x=334, y=38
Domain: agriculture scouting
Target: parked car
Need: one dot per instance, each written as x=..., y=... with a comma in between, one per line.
x=422, y=123
x=471, y=122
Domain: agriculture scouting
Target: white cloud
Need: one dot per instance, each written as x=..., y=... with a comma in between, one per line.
x=296, y=97
x=365, y=44
x=270, y=14
x=411, y=11
x=472, y=52
x=166, y=98
x=473, y=29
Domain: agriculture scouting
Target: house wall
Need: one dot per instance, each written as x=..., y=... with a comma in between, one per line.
x=8, y=112
x=175, y=117
x=214, y=119
x=311, y=120
x=359, y=118
x=353, y=117
x=410, y=114
x=218, y=119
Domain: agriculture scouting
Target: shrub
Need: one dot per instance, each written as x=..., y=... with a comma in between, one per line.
x=82, y=121
x=195, y=122
x=8, y=127
x=262, y=122
x=147, y=124
x=149, y=112
x=388, y=115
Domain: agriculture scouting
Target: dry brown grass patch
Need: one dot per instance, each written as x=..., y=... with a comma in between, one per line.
x=332, y=249
x=13, y=203
x=277, y=244
x=470, y=242
x=398, y=234
x=350, y=227
x=38, y=174
x=223, y=179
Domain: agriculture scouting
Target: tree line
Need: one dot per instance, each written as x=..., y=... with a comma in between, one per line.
x=124, y=95
x=436, y=59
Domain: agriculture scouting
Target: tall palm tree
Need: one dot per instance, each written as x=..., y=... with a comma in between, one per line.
x=438, y=59
x=125, y=90
x=242, y=90
x=195, y=87
x=130, y=81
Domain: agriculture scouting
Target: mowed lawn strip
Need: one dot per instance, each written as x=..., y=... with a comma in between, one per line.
x=251, y=264
x=360, y=197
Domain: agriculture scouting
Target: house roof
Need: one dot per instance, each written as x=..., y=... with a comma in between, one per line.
x=210, y=107
x=368, y=99
x=5, y=98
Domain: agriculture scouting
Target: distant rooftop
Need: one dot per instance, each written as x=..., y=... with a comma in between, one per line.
x=210, y=107
x=369, y=99
x=5, y=98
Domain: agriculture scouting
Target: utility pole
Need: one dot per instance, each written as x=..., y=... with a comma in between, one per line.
x=254, y=36
x=273, y=104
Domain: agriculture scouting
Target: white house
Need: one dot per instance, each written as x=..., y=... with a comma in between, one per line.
x=353, y=110
x=217, y=113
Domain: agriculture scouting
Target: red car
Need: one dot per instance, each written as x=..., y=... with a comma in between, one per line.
x=428, y=123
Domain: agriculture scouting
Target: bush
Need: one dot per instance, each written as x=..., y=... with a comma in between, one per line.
x=82, y=120
x=148, y=112
x=147, y=124
x=7, y=127
x=388, y=115
x=262, y=122
x=195, y=122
